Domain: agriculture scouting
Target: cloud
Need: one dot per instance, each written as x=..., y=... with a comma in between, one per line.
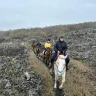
x=35, y=13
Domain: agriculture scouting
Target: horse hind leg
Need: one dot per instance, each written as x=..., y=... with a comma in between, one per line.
x=39, y=55
x=47, y=63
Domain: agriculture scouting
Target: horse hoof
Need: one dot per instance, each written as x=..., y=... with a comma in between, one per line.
x=55, y=87
x=60, y=87
x=50, y=70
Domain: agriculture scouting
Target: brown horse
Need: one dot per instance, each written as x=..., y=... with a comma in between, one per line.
x=38, y=50
x=34, y=47
x=47, y=56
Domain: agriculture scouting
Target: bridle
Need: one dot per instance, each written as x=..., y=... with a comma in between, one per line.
x=61, y=72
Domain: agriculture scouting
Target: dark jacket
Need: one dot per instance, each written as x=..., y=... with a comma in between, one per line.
x=60, y=46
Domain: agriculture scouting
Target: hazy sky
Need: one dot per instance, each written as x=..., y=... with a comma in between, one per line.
x=40, y=13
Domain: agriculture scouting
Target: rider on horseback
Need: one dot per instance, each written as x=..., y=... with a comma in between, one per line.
x=47, y=45
x=60, y=48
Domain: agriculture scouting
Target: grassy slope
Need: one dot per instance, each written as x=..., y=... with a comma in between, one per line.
x=77, y=80
x=37, y=66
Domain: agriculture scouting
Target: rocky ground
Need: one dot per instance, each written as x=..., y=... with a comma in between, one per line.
x=13, y=64
x=82, y=45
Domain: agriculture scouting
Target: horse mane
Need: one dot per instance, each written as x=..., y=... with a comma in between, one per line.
x=48, y=48
x=62, y=57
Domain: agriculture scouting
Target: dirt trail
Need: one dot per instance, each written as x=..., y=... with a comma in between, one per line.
x=40, y=67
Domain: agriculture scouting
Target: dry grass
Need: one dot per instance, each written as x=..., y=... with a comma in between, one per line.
x=77, y=81
x=37, y=66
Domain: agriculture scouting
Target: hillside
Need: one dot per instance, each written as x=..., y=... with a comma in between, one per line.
x=47, y=31
x=17, y=57
x=81, y=38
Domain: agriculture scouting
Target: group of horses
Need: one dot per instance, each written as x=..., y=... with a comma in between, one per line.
x=46, y=55
x=59, y=64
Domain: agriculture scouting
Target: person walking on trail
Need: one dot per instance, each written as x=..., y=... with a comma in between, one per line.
x=47, y=45
x=60, y=48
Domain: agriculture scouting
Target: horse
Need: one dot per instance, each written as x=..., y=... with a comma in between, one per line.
x=60, y=69
x=34, y=46
x=47, y=55
x=38, y=50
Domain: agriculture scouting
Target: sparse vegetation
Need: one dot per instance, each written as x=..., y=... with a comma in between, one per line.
x=81, y=76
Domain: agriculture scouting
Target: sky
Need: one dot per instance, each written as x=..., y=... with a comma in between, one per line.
x=16, y=14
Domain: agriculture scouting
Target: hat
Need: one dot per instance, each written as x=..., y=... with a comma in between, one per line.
x=61, y=37
x=48, y=40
